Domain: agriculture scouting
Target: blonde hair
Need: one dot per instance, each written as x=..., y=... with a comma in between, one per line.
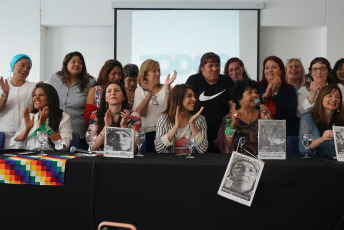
x=303, y=73
x=147, y=65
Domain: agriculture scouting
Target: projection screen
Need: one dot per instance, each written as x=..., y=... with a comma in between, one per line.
x=178, y=34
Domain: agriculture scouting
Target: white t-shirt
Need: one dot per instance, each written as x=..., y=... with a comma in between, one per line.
x=180, y=137
x=12, y=115
x=154, y=109
x=65, y=131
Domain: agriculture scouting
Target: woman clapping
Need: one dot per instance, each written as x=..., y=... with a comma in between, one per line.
x=181, y=119
x=46, y=116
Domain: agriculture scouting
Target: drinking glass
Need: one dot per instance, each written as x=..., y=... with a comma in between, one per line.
x=91, y=137
x=307, y=141
x=139, y=138
x=190, y=141
x=42, y=137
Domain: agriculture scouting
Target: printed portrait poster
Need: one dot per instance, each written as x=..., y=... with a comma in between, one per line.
x=241, y=178
x=338, y=134
x=119, y=142
x=272, y=139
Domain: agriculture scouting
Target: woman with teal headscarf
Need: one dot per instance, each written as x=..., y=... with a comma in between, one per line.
x=15, y=96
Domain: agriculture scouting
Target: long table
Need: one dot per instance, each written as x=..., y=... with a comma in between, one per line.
x=170, y=192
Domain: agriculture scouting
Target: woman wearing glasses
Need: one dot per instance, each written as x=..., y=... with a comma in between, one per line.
x=319, y=71
x=279, y=96
x=151, y=98
x=295, y=73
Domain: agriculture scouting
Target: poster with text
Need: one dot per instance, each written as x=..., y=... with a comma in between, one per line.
x=241, y=178
x=119, y=142
x=272, y=139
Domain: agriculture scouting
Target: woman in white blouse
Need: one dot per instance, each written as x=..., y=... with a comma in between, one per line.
x=46, y=116
x=15, y=96
x=319, y=70
x=151, y=98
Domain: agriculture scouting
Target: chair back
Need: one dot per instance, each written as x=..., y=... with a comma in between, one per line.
x=292, y=145
x=2, y=140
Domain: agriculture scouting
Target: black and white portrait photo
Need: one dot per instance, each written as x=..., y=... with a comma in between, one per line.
x=272, y=139
x=338, y=134
x=119, y=142
x=241, y=178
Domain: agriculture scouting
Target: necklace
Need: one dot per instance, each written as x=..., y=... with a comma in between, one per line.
x=116, y=112
x=250, y=120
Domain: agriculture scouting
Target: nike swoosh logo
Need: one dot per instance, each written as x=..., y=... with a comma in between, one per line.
x=207, y=98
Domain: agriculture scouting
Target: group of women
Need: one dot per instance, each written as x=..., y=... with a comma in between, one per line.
x=310, y=104
x=73, y=101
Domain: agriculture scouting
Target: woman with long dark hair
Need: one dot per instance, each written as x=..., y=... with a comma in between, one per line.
x=114, y=111
x=45, y=116
x=328, y=110
x=181, y=119
x=72, y=84
x=110, y=71
x=279, y=96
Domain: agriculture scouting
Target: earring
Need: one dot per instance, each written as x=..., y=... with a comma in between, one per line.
x=106, y=104
x=338, y=110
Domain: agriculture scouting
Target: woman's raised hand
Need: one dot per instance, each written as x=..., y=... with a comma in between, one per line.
x=264, y=112
x=178, y=117
x=108, y=118
x=148, y=87
x=315, y=87
x=125, y=117
x=28, y=122
x=276, y=84
x=194, y=117
x=169, y=80
x=43, y=116
x=4, y=86
x=236, y=115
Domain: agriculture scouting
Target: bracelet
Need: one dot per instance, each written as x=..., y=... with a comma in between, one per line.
x=263, y=98
x=229, y=130
x=101, y=135
x=3, y=96
x=167, y=92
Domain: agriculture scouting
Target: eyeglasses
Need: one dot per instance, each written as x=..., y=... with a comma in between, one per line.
x=154, y=101
x=322, y=69
x=293, y=59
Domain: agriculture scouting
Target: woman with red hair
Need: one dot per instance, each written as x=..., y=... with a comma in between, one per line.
x=279, y=96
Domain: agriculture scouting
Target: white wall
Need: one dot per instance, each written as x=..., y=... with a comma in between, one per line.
x=47, y=30
x=94, y=42
x=20, y=33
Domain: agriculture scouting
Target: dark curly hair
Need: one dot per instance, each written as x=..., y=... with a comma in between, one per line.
x=240, y=87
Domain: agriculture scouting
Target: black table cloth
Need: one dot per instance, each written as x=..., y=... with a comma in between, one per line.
x=170, y=192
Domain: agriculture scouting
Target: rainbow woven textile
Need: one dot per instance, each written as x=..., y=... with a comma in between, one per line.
x=34, y=170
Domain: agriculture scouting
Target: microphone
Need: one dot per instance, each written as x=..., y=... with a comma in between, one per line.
x=257, y=102
x=74, y=149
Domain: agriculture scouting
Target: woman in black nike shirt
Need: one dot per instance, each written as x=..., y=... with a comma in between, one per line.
x=214, y=92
